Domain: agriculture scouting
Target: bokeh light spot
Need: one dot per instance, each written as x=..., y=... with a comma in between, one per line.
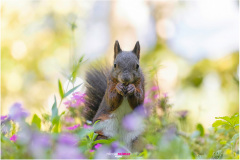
x=18, y=50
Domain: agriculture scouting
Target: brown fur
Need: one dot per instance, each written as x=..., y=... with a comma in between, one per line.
x=112, y=99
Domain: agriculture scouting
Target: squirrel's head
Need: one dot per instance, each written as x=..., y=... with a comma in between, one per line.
x=126, y=64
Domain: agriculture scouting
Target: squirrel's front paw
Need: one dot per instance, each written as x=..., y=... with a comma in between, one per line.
x=131, y=89
x=120, y=89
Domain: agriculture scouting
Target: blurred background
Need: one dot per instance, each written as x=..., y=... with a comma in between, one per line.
x=189, y=48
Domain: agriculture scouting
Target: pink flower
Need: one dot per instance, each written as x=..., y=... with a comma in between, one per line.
x=87, y=126
x=76, y=100
x=97, y=145
x=165, y=95
x=147, y=94
x=68, y=103
x=154, y=88
x=91, y=150
x=13, y=138
x=156, y=96
x=79, y=96
x=147, y=100
x=73, y=127
x=69, y=119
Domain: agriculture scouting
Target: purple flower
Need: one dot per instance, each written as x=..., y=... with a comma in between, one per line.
x=13, y=138
x=140, y=111
x=67, y=148
x=63, y=151
x=17, y=113
x=73, y=127
x=101, y=153
x=133, y=122
x=68, y=139
x=115, y=145
x=3, y=118
x=182, y=114
x=25, y=134
x=97, y=145
x=91, y=150
x=40, y=144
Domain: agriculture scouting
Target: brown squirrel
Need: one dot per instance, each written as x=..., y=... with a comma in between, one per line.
x=112, y=94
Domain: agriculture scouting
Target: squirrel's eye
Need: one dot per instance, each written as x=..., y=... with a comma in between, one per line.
x=115, y=65
x=137, y=66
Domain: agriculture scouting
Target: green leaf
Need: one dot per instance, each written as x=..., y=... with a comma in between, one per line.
x=144, y=154
x=200, y=129
x=94, y=136
x=71, y=90
x=95, y=123
x=73, y=26
x=223, y=142
x=36, y=121
x=55, y=120
x=55, y=128
x=83, y=133
x=235, y=119
x=61, y=92
x=236, y=126
x=55, y=124
x=75, y=69
x=46, y=117
x=90, y=135
x=14, y=129
x=54, y=109
x=103, y=141
x=62, y=113
x=226, y=118
x=219, y=123
x=80, y=59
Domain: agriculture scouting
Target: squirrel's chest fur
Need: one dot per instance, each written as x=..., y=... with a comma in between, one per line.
x=113, y=126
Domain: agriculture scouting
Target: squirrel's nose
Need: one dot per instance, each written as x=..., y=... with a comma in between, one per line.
x=125, y=79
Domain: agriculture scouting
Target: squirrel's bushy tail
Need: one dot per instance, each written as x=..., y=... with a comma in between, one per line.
x=96, y=85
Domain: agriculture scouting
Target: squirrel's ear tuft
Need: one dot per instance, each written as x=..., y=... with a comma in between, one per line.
x=136, y=49
x=117, y=49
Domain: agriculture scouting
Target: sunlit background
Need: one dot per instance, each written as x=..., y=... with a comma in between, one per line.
x=192, y=46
